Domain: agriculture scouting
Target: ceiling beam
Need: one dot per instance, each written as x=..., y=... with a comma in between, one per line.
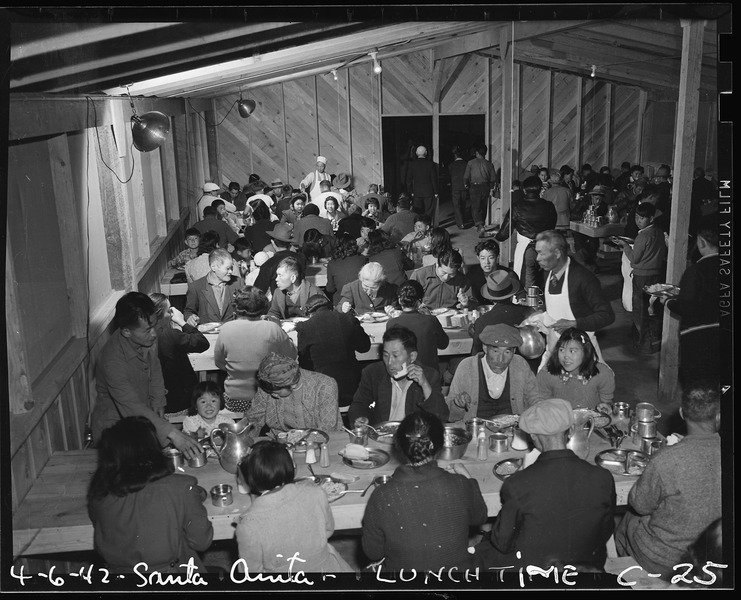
x=465, y=59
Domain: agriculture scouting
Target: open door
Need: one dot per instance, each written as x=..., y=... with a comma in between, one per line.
x=401, y=136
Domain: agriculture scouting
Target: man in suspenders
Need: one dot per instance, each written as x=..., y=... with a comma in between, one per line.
x=311, y=182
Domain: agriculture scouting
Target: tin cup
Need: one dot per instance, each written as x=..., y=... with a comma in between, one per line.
x=498, y=442
x=647, y=444
x=645, y=412
x=646, y=429
x=174, y=457
x=359, y=435
x=198, y=461
x=621, y=410
x=221, y=495
x=474, y=426
x=657, y=445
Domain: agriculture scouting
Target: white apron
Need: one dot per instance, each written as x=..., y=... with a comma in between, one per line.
x=522, y=244
x=627, y=272
x=315, y=192
x=558, y=307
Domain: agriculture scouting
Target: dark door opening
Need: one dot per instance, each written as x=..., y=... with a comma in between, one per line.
x=401, y=136
x=458, y=130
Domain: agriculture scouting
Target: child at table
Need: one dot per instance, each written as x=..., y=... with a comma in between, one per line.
x=192, y=241
x=207, y=410
x=285, y=518
x=141, y=511
x=647, y=258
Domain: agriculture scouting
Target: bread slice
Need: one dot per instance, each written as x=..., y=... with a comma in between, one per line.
x=356, y=451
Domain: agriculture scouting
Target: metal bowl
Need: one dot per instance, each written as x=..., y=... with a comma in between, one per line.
x=386, y=431
x=506, y=468
x=455, y=442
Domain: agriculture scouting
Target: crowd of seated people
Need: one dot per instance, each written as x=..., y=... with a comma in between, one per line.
x=248, y=276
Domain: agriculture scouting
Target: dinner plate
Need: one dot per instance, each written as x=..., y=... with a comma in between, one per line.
x=316, y=435
x=442, y=312
x=376, y=458
x=507, y=468
x=296, y=320
x=209, y=327
x=599, y=419
x=630, y=463
x=374, y=317
x=331, y=486
x=623, y=238
x=502, y=422
x=662, y=290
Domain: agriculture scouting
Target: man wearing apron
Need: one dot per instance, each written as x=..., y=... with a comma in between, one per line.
x=529, y=217
x=312, y=180
x=573, y=295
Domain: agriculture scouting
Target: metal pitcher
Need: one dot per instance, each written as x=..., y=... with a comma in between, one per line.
x=237, y=443
x=583, y=428
x=533, y=342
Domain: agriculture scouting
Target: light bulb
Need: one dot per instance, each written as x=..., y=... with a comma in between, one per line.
x=377, y=68
x=594, y=70
x=334, y=74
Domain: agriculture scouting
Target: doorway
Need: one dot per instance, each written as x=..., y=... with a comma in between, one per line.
x=465, y=131
x=401, y=136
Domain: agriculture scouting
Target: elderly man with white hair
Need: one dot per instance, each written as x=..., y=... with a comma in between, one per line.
x=370, y=292
x=422, y=183
x=311, y=182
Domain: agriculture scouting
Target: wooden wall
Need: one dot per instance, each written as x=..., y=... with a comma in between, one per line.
x=558, y=119
x=68, y=210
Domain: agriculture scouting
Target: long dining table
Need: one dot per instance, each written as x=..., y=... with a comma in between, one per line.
x=460, y=343
x=53, y=517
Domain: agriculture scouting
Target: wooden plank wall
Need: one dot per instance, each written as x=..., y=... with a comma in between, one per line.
x=553, y=123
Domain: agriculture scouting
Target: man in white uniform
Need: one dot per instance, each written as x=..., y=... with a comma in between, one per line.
x=312, y=180
x=573, y=295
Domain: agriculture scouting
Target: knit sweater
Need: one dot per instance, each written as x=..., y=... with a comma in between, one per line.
x=294, y=519
x=312, y=405
x=239, y=349
x=600, y=388
x=523, y=387
x=676, y=498
x=420, y=519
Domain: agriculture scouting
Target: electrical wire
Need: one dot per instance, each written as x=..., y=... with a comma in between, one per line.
x=205, y=120
x=100, y=147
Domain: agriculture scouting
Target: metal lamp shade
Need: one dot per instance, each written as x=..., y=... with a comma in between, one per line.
x=246, y=107
x=149, y=130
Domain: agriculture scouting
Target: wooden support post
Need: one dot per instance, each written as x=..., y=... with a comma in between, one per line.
x=548, y=116
x=641, y=113
x=168, y=173
x=285, y=127
x=437, y=87
x=506, y=51
x=579, y=123
x=212, y=141
x=349, y=122
x=684, y=161
x=608, y=125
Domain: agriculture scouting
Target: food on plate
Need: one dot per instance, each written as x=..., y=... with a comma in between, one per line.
x=388, y=429
x=507, y=469
x=451, y=439
x=503, y=421
x=334, y=490
x=612, y=457
x=344, y=478
x=439, y=311
x=356, y=452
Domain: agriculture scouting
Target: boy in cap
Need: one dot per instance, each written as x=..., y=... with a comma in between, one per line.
x=557, y=511
x=494, y=382
x=210, y=193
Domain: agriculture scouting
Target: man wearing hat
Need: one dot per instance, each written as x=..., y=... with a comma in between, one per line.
x=500, y=286
x=493, y=382
x=281, y=240
x=211, y=193
x=557, y=511
x=342, y=184
x=311, y=182
x=530, y=216
x=421, y=181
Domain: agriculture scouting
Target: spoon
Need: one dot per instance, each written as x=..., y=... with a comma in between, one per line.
x=311, y=471
x=343, y=492
x=370, y=485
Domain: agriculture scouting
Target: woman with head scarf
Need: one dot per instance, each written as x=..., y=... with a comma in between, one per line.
x=292, y=398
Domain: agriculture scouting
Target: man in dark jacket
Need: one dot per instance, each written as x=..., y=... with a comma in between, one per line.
x=529, y=217
x=396, y=386
x=557, y=511
x=456, y=170
x=422, y=183
x=281, y=239
x=479, y=178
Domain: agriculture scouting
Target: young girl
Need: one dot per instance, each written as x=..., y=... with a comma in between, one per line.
x=140, y=510
x=242, y=256
x=574, y=374
x=284, y=518
x=439, y=243
x=206, y=411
